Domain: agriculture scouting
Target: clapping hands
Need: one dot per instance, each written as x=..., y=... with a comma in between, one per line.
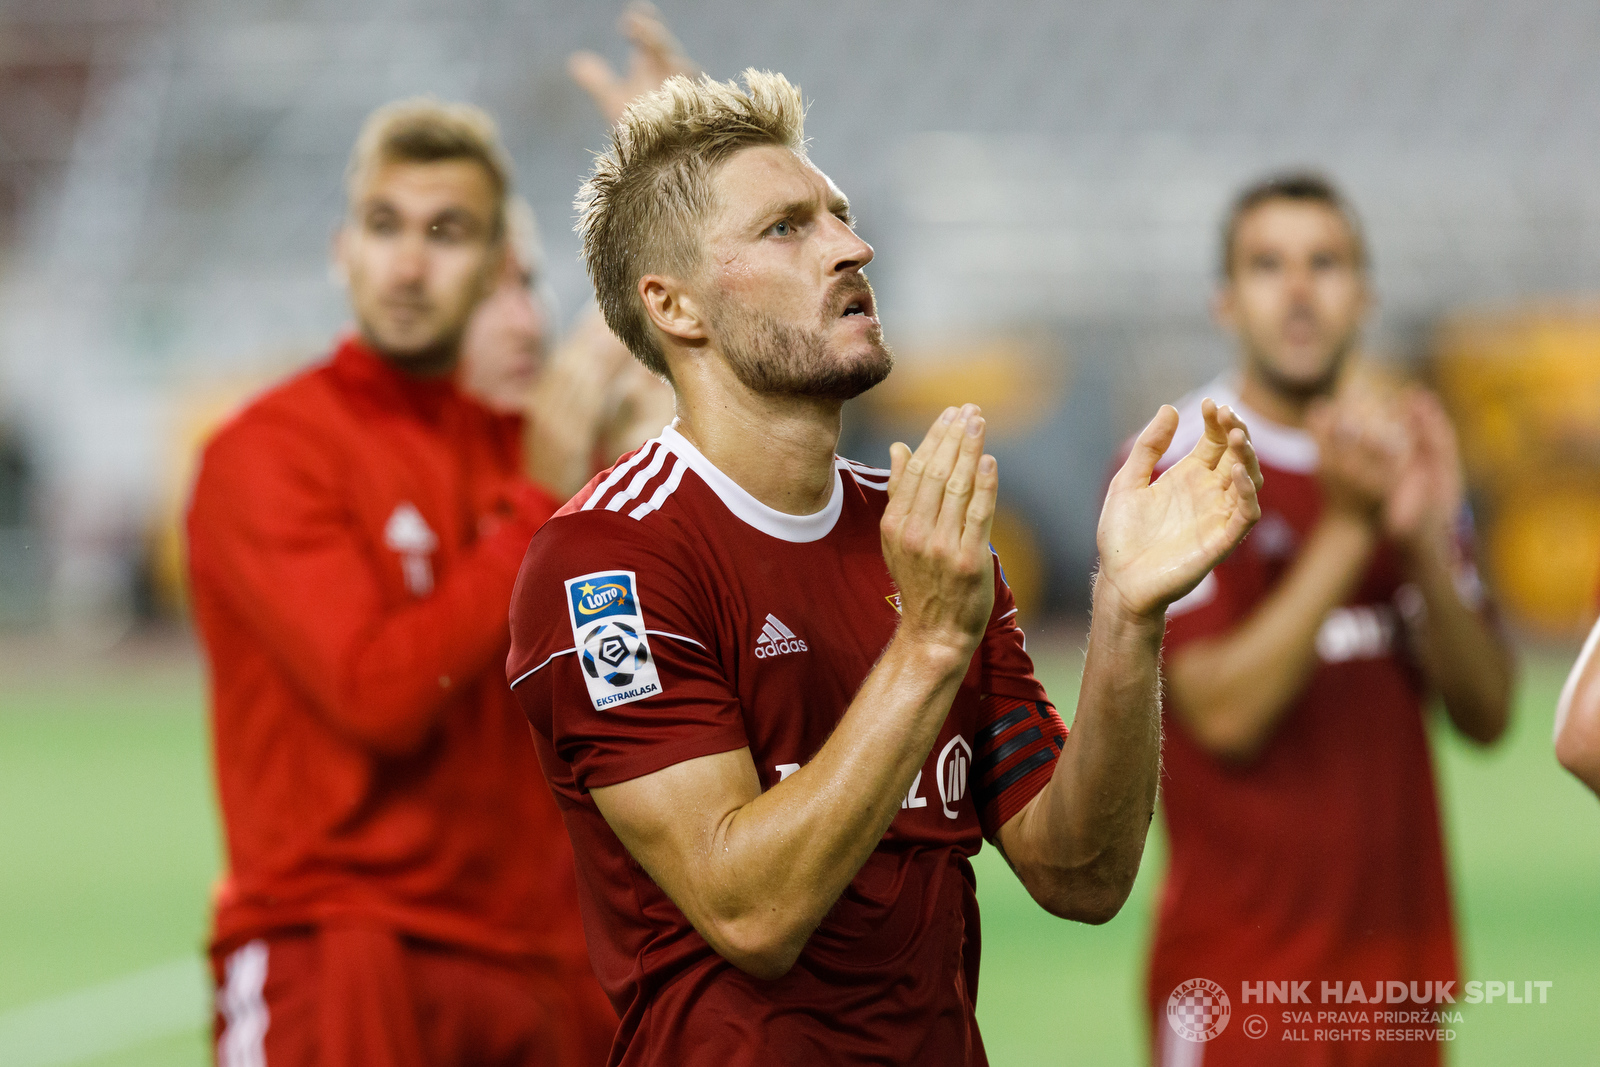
x=1159, y=538
x=935, y=531
x=1392, y=460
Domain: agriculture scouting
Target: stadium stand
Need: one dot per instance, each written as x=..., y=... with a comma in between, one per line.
x=1058, y=165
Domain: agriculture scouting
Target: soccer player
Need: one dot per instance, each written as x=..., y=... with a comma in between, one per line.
x=781, y=696
x=1578, y=716
x=1299, y=793
x=399, y=891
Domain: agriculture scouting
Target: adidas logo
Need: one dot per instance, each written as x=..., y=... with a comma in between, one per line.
x=777, y=639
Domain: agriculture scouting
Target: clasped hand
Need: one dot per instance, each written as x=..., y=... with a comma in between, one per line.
x=935, y=532
x=1392, y=461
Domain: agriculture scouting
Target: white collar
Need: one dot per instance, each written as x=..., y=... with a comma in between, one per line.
x=799, y=529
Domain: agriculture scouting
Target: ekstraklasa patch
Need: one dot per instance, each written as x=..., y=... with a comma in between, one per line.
x=609, y=635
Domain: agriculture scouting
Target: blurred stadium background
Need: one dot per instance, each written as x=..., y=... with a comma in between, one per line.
x=1042, y=182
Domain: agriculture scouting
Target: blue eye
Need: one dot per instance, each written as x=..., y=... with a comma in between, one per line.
x=781, y=229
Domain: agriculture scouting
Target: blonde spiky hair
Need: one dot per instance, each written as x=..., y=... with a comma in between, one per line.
x=638, y=211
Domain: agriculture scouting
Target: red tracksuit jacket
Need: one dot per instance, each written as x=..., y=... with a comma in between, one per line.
x=354, y=536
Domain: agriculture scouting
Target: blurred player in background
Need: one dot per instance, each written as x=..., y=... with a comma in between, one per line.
x=353, y=537
x=1300, y=798
x=505, y=365
x=1578, y=716
x=399, y=891
x=782, y=697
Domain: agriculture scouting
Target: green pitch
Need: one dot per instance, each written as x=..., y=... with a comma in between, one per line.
x=1525, y=845
x=108, y=846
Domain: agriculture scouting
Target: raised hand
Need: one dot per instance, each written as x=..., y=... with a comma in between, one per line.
x=572, y=401
x=1428, y=489
x=1158, y=539
x=935, y=531
x=1361, y=449
x=657, y=56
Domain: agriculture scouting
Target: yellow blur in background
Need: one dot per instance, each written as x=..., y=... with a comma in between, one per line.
x=1523, y=387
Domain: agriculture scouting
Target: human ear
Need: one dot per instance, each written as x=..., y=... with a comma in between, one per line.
x=672, y=308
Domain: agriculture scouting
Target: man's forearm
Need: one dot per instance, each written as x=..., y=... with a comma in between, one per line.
x=1231, y=691
x=380, y=677
x=772, y=866
x=1465, y=659
x=1077, y=845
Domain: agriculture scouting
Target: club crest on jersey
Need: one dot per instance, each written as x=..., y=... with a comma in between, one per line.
x=609, y=635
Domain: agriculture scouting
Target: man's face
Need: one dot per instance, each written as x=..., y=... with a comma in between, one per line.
x=1297, y=294
x=419, y=251
x=788, y=305
x=504, y=343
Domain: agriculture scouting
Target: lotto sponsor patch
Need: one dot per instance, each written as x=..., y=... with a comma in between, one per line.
x=609, y=636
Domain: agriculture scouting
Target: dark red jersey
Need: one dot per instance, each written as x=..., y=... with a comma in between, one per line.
x=665, y=614
x=354, y=537
x=1321, y=860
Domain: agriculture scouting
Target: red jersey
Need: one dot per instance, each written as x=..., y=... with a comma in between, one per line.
x=666, y=614
x=354, y=536
x=1317, y=867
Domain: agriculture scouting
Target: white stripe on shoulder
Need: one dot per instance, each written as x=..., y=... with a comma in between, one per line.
x=666, y=489
x=618, y=473
x=867, y=483
x=863, y=468
x=796, y=529
x=865, y=476
x=636, y=486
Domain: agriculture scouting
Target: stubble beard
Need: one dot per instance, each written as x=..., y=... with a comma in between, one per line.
x=780, y=359
x=428, y=360
x=431, y=357
x=1301, y=390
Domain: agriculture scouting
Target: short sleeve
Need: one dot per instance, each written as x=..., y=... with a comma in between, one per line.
x=1015, y=755
x=1004, y=666
x=1019, y=734
x=614, y=652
